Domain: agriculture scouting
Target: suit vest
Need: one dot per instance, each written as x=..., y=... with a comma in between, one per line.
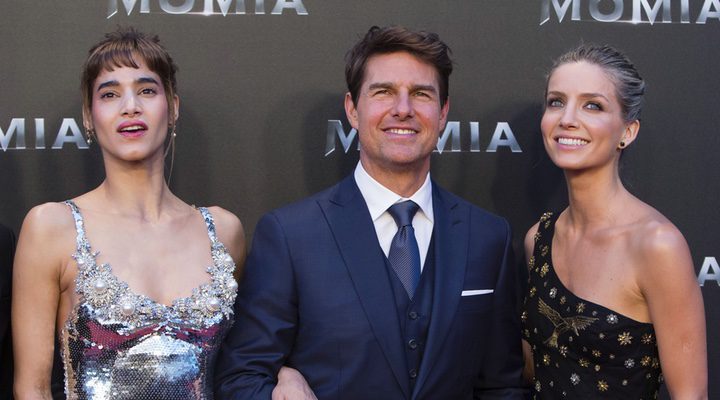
x=414, y=315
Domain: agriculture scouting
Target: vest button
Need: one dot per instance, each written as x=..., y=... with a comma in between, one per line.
x=413, y=315
x=412, y=344
x=413, y=374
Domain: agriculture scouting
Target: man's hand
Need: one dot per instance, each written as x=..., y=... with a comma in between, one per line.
x=292, y=386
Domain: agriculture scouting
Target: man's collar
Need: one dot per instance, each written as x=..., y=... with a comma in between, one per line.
x=379, y=198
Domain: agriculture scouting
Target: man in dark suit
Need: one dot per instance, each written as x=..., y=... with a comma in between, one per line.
x=7, y=249
x=369, y=295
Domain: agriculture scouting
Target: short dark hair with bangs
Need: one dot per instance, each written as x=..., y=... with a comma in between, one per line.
x=426, y=46
x=125, y=47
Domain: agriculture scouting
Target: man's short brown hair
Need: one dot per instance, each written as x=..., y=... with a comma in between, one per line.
x=426, y=46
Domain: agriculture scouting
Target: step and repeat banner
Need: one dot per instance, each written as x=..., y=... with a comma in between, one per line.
x=261, y=88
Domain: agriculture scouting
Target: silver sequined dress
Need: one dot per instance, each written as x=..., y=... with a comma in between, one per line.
x=582, y=350
x=117, y=344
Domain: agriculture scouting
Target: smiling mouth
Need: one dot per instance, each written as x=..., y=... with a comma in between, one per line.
x=572, y=141
x=399, y=131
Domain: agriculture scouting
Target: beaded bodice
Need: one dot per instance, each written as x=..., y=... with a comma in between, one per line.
x=117, y=344
x=582, y=350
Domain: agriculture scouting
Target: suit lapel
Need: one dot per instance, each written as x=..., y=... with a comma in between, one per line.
x=350, y=222
x=451, y=232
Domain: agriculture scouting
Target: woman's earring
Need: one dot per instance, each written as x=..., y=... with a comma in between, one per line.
x=90, y=135
x=622, y=144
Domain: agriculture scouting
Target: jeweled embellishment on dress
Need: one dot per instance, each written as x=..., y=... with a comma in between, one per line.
x=624, y=338
x=574, y=323
x=563, y=351
x=575, y=379
x=647, y=338
x=602, y=386
x=119, y=345
x=544, y=270
x=583, y=363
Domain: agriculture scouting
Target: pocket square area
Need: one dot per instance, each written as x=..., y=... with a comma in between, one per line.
x=476, y=292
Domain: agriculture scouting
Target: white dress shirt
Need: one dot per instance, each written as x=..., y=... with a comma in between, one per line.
x=379, y=198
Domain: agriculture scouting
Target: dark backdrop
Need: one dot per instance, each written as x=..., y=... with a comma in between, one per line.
x=259, y=85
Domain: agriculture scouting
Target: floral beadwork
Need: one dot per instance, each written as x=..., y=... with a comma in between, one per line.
x=112, y=300
x=583, y=349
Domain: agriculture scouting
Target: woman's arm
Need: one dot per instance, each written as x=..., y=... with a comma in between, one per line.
x=667, y=280
x=36, y=297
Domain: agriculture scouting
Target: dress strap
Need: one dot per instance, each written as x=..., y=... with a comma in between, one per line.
x=547, y=222
x=210, y=223
x=81, y=239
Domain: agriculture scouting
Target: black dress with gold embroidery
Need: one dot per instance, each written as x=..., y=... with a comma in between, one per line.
x=582, y=350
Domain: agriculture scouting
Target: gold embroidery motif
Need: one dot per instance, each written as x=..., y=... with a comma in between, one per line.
x=561, y=324
x=546, y=216
x=625, y=338
x=544, y=270
x=647, y=338
x=602, y=386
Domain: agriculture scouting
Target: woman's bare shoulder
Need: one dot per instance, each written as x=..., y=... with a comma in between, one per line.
x=659, y=246
x=655, y=233
x=224, y=219
x=230, y=231
x=48, y=219
x=47, y=238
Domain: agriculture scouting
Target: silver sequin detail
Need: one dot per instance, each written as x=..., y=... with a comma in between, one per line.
x=119, y=345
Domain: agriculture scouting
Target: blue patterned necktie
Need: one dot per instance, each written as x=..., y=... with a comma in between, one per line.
x=404, y=255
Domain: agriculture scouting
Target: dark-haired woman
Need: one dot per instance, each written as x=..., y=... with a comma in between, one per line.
x=138, y=284
x=613, y=303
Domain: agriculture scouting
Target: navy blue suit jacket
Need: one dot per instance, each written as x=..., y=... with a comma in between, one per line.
x=316, y=296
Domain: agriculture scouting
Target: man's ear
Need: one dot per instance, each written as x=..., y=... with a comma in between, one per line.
x=351, y=110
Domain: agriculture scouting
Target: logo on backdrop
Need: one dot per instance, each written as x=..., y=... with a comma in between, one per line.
x=15, y=135
x=632, y=11
x=502, y=136
x=208, y=7
x=710, y=271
